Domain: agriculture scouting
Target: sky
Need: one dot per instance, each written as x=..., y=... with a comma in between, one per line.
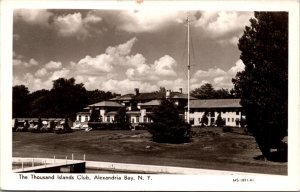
x=120, y=50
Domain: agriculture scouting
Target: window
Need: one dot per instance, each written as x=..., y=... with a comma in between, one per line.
x=108, y=118
x=228, y=119
x=79, y=118
x=199, y=119
x=132, y=120
x=145, y=119
x=232, y=119
x=86, y=118
x=137, y=119
x=237, y=113
x=212, y=114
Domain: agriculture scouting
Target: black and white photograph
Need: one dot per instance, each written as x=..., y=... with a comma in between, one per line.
x=139, y=95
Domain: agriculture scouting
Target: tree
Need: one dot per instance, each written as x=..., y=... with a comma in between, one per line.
x=168, y=126
x=95, y=96
x=204, y=119
x=122, y=119
x=67, y=97
x=263, y=85
x=20, y=101
x=223, y=94
x=207, y=91
x=95, y=114
x=220, y=122
x=39, y=104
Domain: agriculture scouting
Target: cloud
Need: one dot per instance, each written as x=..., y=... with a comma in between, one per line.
x=122, y=49
x=63, y=73
x=33, y=16
x=33, y=82
x=18, y=61
x=217, y=77
x=163, y=67
x=220, y=24
x=127, y=86
x=75, y=25
x=41, y=72
x=103, y=63
x=53, y=65
x=174, y=85
x=142, y=20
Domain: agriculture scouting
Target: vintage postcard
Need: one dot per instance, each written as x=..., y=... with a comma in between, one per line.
x=150, y=95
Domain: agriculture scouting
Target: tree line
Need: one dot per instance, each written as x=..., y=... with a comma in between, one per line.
x=64, y=99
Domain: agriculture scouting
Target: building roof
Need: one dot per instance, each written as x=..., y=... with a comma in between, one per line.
x=106, y=104
x=215, y=103
x=151, y=103
x=177, y=95
x=123, y=97
x=149, y=96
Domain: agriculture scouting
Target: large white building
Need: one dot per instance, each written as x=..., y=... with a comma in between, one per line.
x=229, y=109
x=140, y=105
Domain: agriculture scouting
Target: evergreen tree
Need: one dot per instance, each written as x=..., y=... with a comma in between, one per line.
x=168, y=126
x=263, y=85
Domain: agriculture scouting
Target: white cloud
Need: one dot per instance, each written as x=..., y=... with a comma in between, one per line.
x=142, y=20
x=174, y=85
x=41, y=72
x=220, y=24
x=19, y=62
x=217, y=77
x=163, y=67
x=212, y=72
x=33, y=16
x=127, y=86
x=69, y=25
x=53, y=65
x=75, y=25
x=106, y=62
x=35, y=83
x=122, y=49
x=63, y=73
x=33, y=62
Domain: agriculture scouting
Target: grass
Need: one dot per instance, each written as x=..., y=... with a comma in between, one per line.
x=210, y=148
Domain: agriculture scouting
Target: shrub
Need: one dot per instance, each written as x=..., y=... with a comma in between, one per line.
x=204, y=119
x=167, y=126
x=122, y=119
x=175, y=134
x=220, y=122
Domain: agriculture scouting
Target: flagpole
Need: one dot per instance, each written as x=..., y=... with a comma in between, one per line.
x=188, y=66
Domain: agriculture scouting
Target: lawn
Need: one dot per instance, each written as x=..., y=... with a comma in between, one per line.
x=210, y=148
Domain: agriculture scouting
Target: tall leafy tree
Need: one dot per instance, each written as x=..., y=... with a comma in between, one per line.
x=67, y=97
x=263, y=85
x=21, y=101
x=96, y=95
x=39, y=104
x=122, y=119
x=168, y=126
x=207, y=91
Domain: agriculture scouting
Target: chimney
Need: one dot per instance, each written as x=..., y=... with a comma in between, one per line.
x=168, y=94
x=137, y=91
x=180, y=90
